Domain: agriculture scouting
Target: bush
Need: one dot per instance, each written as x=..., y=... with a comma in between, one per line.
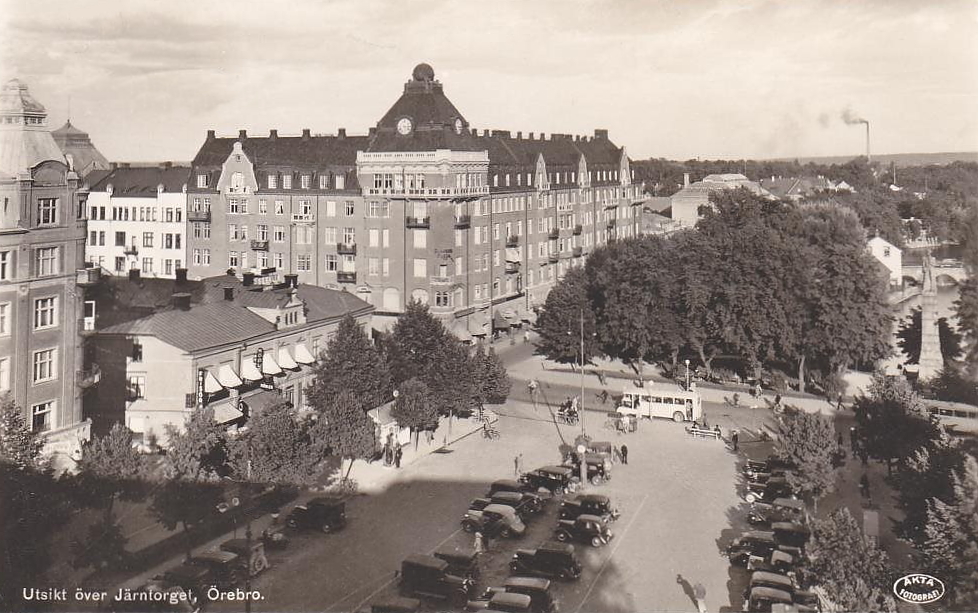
x=953, y=385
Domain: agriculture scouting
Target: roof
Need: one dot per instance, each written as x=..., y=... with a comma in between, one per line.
x=312, y=152
x=68, y=130
x=16, y=99
x=140, y=182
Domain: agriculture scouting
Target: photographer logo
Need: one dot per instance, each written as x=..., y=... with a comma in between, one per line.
x=918, y=588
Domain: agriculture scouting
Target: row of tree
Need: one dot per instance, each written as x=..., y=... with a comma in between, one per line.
x=777, y=284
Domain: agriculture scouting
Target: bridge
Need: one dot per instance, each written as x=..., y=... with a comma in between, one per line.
x=946, y=272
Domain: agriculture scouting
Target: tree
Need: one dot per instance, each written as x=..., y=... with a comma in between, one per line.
x=455, y=380
x=276, y=448
x=19, y=445
x=558, y=322
x=495, y=380
x=808, y=442
x=104, y=546
x=853, y=570
x=413, y=408
x=199, y=451
x=892, y=421
x=966, y=307
x=416, y=344
x=351, y=363
x=909, y=338
x=950, y=549
x=348, y=431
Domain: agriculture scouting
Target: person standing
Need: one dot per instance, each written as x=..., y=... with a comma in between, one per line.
x=624, y=454
x=735, y=439
x=397, y=457
x=852, y=438
x=700, y=593
x=479, y=544
x=864, y=486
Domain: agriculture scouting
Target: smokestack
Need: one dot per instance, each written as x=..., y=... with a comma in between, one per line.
x=229, y=294
x=868, y=158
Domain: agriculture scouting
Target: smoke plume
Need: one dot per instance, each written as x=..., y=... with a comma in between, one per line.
x=851, y=118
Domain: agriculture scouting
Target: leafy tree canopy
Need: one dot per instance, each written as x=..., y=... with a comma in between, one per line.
x=495, y=380
x=808, y=442
x=351, y=363
x=413, y=407
x=559, y=321
x=19, y=445
x=276, y=448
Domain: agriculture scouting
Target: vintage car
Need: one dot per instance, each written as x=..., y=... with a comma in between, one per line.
x=167, y=598
x=780, y=582
x=223, y=569
x=584, y=528
x=763, y=477
x=507, y=602
x=396, y=604
x=762, y=543
x=551, y=559
x=598, y=467
x=478, y=504
x=777, y=562
x=524, y=504
x=778, y=510
x=461, y=562
x=252, y=552
x=773, y=488
x=494, y=520
x=789, y=534
x=428, y=576
x=542, y=599
x=324, y=513
x=772, y=463
x=556, y=479
x=588, y=504
x=762, y=599
x=510, y=485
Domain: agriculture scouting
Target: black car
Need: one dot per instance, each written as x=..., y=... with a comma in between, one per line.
x=778, y=510
x=586, y=529
x=790, y=534
x=222, y=569
x=509, y=485
x=552, y=559
x=503, y=602
x=556, y=479
x=598, y=468
x=773, y=488
x=760, y=543
x=524, y=504
x=428, y=576
x=461, y=562
x=778, y=562
x=542, y=599
x=325, y=514
x=494, y=520
x=588, y=504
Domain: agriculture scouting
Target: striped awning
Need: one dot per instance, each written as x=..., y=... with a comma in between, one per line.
x=211, y=384
x=269, y=366
x=227, y=377
x=225, y=412
x=249, y=372
x=302, y=355
x=285, y=360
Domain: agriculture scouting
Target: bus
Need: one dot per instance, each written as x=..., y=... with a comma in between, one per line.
x=677, y=405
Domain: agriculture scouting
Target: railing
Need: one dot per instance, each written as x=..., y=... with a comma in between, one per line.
x=578, y=229
x=346, y=248
x=441, y=280
x=89, y=378
x=463, y=221
x=578, y=251
x=553, y=258
x=131, y=250
x=512, y=267
x=86, y=326
x=204, y=215
x=554, y=234
x=257, y=245
x=303, y=217
x=429, y=192
x=513, y=241
x=419, y=222
x=88, y=276
x=346, y=277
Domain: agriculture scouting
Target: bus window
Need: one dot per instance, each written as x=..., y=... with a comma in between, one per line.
x=689, y=410
x=655, y=399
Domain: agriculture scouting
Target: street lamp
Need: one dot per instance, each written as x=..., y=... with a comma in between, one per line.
x=687, y=374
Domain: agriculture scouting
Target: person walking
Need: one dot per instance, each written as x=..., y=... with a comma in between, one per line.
x=853, y=440
x=615, y=454
x=864, y=486
x=624, y=454
x=516, y=465
x=604, y=396
x=479, y=545
x=397, y=457
x=700, y=593
x=735, y=439
x=526, y=336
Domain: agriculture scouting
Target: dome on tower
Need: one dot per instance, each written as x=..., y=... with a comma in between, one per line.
x=423, y=72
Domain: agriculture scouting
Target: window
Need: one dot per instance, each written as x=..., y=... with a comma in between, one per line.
x=279, y=260
x=303, y=262
x=196, y=257
x=443, y=299
x=349, y=263
x=373, y=266
x=278, y=234
x=280, y=207
x=261, y=232
x=261, y=258
x=234, y=205
x=5, y=266
x=4, y=318
x=495, y=231
x=385, y=266
x=120, y=239
x=349, y=236
x=136, y=387
x=45, y=313
x=386, y=238
x=287, y=181
x=373, y=236
x=262, y=206
x=45, y=365
x=47, y=211
x=332, y=263
x=420, y=239
x=233, y=232
x=147, y=264
x=886, y=252
x=201, y=180
x=420, y=267
x=148, y=239
x=120, y=264
x=167, y=216
x=233, y=259
x=46, y=261
x=329, y=235
x=303, y=235
x=167, y=267
x=244, y=259
x=92, y=238
x=330, y=208
x=178, y=215
x=305, y=181
x=323, y=182
x=349, y=208
x=459, y=238
x=459, y=265
x=176, y=241
x=378, y=209
x=340, y=182
x=4, y=374
x=41, y=416
x=272, y=181
x=305, y=207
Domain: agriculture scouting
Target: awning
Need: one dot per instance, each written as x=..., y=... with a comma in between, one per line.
x=227, y=377
x=225, y=412
x=302, y=355
x=269, y=366
x=259, y=401
x=285, y=360
x=460, y=330
x=499, y=322
x=513, y=255
x=249, y=372
x=478, y=324
x=211, y=385
x=511, y=316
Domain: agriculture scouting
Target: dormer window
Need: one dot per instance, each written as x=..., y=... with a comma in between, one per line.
x=272, y=181
x=237, y=181
x=286, y=181
x=306, y=181
x=323, y=181
x=341, y=182
x=202, y=180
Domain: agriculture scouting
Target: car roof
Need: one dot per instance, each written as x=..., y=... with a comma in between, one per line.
x=397, y=602
x=759, y=534
x=555, y=469
x=510, y=598
x=326, y=501
x=771, y=592
x=508, y=494
x=460, y=554
x=506, y=483
x=532, y=582
x=794, y=503
x=556, y=547
x=760, y=575
x=781, y=556
x=599, y=498
x=216, y=555
x=499, y=508
x=589, y=517
x=787, y=526
x=429, y=561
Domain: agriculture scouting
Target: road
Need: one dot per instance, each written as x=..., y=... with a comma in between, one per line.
x=676, y=495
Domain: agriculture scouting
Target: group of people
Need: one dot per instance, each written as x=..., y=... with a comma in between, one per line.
x=392, y=452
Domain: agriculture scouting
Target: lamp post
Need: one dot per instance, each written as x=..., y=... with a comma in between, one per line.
x=687, y=374
x=583, y=429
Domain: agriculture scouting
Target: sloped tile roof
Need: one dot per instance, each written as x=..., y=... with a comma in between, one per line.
x=312, y=152
x=136, y=182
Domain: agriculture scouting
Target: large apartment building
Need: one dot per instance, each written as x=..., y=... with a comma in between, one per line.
x=137, y=219
x=423, y=207
x=42, y=307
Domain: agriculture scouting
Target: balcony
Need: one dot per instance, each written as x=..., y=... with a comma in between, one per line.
x=199, y=216
x=346, y=277
x=131, y=250
x=612, y=223
x=87, y=277
x=578, y=252
x=259, y=245
x=89, y=378
x=554, y=234
x=441, y=280
x=303, y=218
x=578, y=229
x=512, y=267
x=419, y=222
x=553, y=258
x=513, y=241
x=429, y=192
x=86, y=326
x=346, y=248
x=463, y=222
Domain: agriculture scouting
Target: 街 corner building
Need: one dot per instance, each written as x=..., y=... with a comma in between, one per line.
x=478, y=224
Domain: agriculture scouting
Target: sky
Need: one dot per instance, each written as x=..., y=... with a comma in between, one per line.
x=697, y=78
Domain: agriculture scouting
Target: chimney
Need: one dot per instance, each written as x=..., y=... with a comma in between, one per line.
x=273, y=134
x=210, y=135
x=306, y=133
x=134, y=274
x=247, y=279
x=181, y=275
x=292, y=280
x=543, y=136
x=372, y=132
x=519, y=136
x=685, y=179
x=182, y=301
x=242, y=134
x=600, y=134
x=166, y=165
x=341, y=133
x=530, y=136
x=229, y=294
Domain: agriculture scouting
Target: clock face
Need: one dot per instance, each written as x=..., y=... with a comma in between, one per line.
x=404, y=125
x=458, y=126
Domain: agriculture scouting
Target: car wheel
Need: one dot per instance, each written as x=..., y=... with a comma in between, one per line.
x=505, y=533
x=596, y=480
x=596, y=541
x=677, y=417
x=558, y=491
x=293, y=523
x=468, y=527
x=751, y=497
x=326, y=528
x=562, y=536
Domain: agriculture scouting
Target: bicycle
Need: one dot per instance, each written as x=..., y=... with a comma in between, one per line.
x=490, y=434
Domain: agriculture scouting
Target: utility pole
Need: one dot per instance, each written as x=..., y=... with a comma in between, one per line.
x=583, y=429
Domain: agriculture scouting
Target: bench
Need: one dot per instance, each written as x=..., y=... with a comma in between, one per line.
x=704, y=432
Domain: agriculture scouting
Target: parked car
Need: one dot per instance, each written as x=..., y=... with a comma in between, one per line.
x=773, y=488
x=777, y=562
x=525, y=505
x=506, y=602
x=556, y=479
x=325, y=514
x=762, y=599
x=478, y=504
x=542, y=599
x=778, y=510
x=753, y=543
x=428, y=576
x=551, y=559
x=763, y=477
x=170, y=599
x=588, y=504
x=223, y=569
x=461, y=562
x=396, y=604
x=791, y=534
x=780, y=582
x=494, y=520
x=584, y=528
x=765, y=466
x=510, y=485
x=252, y=553
x=598, y=467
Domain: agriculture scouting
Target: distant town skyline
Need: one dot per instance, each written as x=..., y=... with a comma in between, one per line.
x=709, y=79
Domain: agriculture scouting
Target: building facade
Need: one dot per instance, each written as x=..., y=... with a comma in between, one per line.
x=889, y=255
x=424, y=207
x=137, y=219
x=169, y=347
x=42, y=305
x=686, y=202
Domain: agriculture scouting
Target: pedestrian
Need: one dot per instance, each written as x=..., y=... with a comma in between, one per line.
x=479, y=545
x=864, y=486
x=735, y=439
x=716, y=429
x=864, y=456
x=615, y=454
x=387, y=454
x=700, y=593
x=526, y=336
x=604, y=396
x=852, y=438
x=397, y=457
x=519, y=465
x=624, y=454
x=516, y=465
